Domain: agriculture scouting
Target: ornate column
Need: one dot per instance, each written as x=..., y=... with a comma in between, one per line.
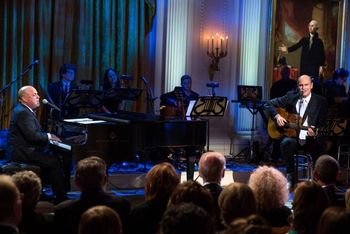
x=251, y=14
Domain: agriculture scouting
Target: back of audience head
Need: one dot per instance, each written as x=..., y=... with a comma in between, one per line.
x=308, y=205
x=100, y=219
x=212, y=166
x=236, y=201
x=326, y=170
x=253, y=224
x=91, y=173
x=191, y=191
x=186, y=218
x=161, y=181
x=334, y=220
x=10, y=202
x=270, y=188
x=29, y=184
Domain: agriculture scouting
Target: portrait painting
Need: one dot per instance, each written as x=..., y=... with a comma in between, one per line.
x=291, y=22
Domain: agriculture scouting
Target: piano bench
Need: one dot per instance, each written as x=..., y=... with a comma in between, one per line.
x=11, y=168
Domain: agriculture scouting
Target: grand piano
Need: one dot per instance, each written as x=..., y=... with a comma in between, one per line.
x=123, y=136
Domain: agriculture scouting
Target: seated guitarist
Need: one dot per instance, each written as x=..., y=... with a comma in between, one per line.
x=312, y=109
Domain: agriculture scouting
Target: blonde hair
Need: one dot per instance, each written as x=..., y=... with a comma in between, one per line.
x=270, y=188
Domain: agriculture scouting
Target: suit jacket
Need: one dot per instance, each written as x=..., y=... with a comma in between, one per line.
x=67, y=213
x=311, y=58
x=7, y=229
x=25, y=134
x=336, y=196
x=145, y=218
x=316, y=110
x=215, y=190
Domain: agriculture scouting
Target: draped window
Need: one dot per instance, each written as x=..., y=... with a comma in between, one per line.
x=91, y=34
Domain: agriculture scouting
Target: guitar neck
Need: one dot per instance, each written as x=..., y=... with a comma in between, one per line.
x=298, y=126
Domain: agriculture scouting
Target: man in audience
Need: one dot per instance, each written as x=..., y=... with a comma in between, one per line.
x=91, y=179
x=10, y=206
x=212, y=169
x=325, y=173
x=29, y=185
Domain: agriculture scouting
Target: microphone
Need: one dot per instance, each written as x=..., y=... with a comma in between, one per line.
x=144, y=80
x=36, y=61
x=46, y=102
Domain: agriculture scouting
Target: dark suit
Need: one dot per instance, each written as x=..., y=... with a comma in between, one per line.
x=6, y=229
x=336, y=196
x=57, y=95
x=29, y=144
x=316, y=112
x=215, y=190
x=67, y=214
x=311, y=58
x=145, y=218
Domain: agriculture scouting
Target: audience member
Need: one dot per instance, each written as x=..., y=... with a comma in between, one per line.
x=29, y=144
x=212, y=169
x=308, y=205
x=271, y=192
x=236, y=201
x=100, y=219
x=335, y=88
x=325, y=173
x=334, y=220
x=347, y=200
x=10, y=206
x=111, y=81
x=161, y=181
x=91, y=179
x=253, y=224
x=58, y=91
x=192, y=191
x=186, y=218
x=29, y=185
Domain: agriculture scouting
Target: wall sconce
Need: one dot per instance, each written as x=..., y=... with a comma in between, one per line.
x=216, y=51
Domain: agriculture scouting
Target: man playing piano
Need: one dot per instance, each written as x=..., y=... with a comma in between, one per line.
x=29, y=144
x=312, y=113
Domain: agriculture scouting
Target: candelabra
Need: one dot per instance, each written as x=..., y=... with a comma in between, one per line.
x=216, y=52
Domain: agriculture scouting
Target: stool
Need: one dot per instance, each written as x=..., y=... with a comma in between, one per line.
x=303, y=161
x=11, y=168
x=344, y=153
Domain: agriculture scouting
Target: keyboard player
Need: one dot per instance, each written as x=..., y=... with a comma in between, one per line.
x=29, y=144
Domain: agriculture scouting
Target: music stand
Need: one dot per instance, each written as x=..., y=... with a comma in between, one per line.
x=250, y=97
x=123, y=94
x=206, y=106
x=77, y=99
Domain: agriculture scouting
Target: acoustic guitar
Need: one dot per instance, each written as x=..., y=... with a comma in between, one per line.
x=291, y=129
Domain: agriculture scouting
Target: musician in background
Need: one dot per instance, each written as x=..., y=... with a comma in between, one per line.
x=58, y=91
x=312, y=109
x=179, y=99
x=29, y=144
x=111, y=81
x=335, y=89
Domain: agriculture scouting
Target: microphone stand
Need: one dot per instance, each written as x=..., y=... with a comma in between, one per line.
x=3, y=90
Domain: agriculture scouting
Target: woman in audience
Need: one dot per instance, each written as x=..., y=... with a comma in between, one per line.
x=111, y=82
x=29, y=185
x=100, y=219
x=236, y=201
x=270, y=188
x=251, y=224
x=308, y=205
x=334, y=220
x=161, y=181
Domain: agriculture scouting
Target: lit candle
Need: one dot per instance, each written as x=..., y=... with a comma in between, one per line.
x=221, y=47
x=226, y=43
x=212, y=44
x=217, y=40
x=208, y=46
